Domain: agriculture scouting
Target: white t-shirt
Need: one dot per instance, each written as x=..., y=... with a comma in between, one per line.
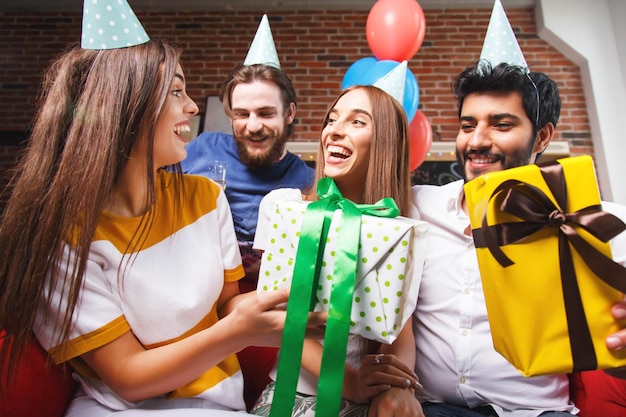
x=168, y=292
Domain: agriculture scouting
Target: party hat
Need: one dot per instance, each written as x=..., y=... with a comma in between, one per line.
x=500, y=44
x=263, y=50
x=110, y=24
x=394, y=81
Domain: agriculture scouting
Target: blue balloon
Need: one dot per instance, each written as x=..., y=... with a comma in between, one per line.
x=366, y=71
x=354, y=72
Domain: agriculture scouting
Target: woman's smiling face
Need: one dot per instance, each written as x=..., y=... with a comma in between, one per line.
x=169, y=145
x=346, y=140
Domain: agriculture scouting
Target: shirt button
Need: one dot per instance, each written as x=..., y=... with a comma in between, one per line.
x=462, y=379
x=466, y=291
x=464, y=332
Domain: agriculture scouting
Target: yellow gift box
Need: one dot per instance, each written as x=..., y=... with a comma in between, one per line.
x=546, y=267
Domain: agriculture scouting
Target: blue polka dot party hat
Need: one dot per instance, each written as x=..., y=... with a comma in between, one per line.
x=393, y=82
x=500, y=45
x=110, y=24
x=262, y=50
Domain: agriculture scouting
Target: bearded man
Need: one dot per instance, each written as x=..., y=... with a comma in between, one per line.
x=260, y=102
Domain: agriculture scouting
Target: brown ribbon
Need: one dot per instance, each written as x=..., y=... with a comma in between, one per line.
x=537, y=211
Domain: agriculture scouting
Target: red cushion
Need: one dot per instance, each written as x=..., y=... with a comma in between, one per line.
x=40, y=389
x=256, y=363
x=598, y=394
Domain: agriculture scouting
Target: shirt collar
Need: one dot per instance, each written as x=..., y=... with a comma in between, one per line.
x=454, y=202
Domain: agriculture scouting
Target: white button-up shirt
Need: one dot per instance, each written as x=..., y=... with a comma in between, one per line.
x=455, y=358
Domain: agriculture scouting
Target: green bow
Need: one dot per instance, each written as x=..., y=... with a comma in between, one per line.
x=305, y=278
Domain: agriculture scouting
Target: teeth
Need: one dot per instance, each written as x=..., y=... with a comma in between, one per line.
x=484, y=160
x=182, y=129
x=338, y=150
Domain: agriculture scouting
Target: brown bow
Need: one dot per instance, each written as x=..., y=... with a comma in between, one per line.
x=537, y=211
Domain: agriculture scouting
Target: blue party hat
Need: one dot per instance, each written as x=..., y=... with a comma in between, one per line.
x=110, y=24
x=394, y=81
x=262, y=50
x=500, y=44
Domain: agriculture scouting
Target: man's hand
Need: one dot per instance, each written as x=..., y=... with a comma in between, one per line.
x=395, y=402
x=617, y=340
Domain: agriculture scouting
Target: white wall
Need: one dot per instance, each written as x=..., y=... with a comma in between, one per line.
x=591, y=33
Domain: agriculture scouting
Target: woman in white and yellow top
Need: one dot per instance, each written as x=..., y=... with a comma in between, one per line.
x=125, y=270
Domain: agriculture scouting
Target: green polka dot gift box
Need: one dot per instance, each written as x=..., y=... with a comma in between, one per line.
x=389, y=261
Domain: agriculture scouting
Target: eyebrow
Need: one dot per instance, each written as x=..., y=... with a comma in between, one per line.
x=499, y=116
x=357, y=111
x=264, y=108
x=179, y=76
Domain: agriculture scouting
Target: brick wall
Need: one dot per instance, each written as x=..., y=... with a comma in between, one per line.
x=315, y=49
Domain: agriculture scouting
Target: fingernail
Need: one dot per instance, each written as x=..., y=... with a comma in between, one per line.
x=418, y=385
x=620, y=313
x=613, y=343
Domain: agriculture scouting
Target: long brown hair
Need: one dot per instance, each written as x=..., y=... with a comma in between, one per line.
x=94, y=104
x=388, y=173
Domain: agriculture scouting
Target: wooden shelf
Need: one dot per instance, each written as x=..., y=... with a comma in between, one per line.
x=439, y=151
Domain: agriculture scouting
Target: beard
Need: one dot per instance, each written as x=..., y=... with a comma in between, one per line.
x=516, y=159
x=266, y=158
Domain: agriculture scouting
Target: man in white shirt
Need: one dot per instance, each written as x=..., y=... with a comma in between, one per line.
x=507, y=118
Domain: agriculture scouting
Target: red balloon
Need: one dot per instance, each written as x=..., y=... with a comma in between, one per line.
x=420, y=140
x=395, y=29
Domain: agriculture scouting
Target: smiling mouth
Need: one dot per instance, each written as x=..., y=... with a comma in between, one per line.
x=338, y=152
x=182, y=129
x=257, y=138
x=484, y=160
x=481, y=158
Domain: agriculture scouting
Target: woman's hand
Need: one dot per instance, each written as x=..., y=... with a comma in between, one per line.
x=262, y=318
x=136, y=373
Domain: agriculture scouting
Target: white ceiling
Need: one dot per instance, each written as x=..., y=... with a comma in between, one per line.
x=265, y=5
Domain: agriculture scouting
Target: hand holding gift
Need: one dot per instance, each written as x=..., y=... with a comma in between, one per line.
x=542, y=245
x=362, y=263
x=387, y=282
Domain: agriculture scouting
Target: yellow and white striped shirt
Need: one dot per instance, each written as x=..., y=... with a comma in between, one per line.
x=168, y=291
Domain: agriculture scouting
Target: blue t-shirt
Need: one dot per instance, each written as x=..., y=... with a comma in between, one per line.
x=245, y=186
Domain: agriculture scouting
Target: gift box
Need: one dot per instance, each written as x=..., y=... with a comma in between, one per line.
x=390, y=259
x=549, y=281
x=361, y=263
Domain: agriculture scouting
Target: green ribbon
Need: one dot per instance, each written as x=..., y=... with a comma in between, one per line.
x=305, y=278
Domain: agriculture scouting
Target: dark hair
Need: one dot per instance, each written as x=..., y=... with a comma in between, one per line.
x=539, y=93
x=244, y=74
